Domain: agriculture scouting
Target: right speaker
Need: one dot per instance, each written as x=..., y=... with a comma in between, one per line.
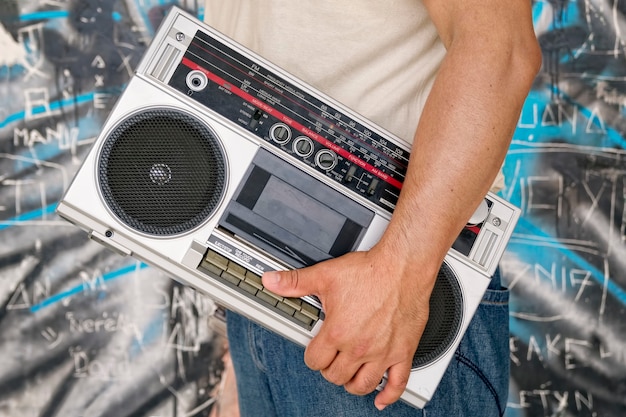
x=444, y=320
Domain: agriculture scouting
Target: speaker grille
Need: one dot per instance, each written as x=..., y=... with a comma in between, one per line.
x=162, y=172
x=444, y=322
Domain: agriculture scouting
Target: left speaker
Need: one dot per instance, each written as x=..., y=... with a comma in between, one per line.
x=161, y=171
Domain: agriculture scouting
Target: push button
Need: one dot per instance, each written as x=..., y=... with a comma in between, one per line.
x=250, y=284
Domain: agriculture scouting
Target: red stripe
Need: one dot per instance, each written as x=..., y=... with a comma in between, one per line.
x=295, y=125
x=474, y=229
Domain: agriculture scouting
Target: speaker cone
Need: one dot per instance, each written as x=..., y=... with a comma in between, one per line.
x=444, y=322
x=162, y=172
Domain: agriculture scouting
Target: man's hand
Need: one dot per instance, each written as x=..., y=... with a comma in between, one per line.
x=375, y=316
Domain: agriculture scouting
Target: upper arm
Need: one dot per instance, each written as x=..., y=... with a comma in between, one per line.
x=498, y=33
x=489, y=24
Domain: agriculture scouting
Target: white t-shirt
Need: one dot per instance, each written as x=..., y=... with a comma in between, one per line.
x=377, y=57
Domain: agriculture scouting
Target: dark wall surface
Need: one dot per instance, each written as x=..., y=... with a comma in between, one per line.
x=566, y=265
x=85, y=332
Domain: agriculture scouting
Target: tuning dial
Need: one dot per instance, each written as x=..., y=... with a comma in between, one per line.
x=326, y=159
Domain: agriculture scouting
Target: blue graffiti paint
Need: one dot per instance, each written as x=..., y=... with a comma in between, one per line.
x=527, y=227
x=569, y=12
x=56, y=14
x=538, y=10
x=80, y=288
x=151, y=333
x=520, y=329
x=44, y=15
x=31, y=215
x=546, y=125
x=55, y=105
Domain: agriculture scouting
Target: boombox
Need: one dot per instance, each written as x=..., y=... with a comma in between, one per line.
x=215, y=165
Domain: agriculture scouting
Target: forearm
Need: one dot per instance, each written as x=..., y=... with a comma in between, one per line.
x=460, y=144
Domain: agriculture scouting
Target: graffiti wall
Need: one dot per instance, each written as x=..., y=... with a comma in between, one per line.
x=85, y=332
x=566, y=266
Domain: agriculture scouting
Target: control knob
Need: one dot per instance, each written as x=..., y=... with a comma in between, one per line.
x=326, y=159
x=303, y=146
x=280, y=133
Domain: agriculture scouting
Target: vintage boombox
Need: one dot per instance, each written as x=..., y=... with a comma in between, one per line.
x=215, y=165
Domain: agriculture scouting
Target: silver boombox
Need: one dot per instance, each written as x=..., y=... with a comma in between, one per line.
x=216, y=166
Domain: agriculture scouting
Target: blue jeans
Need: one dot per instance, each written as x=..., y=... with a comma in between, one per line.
x=272, y=379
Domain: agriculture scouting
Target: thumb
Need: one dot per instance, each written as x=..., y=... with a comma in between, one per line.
x=291, y=283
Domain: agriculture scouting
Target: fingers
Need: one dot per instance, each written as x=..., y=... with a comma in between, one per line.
x=340, y=363
x=364, y=379
x=319, y=354
x=397, y=379
x=292, y=283
x=342, y=370
x=311, y=280
x=356, y=378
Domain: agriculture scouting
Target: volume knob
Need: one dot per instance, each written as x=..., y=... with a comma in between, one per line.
x=326, y=159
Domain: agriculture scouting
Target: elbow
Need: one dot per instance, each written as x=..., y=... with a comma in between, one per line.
x=525, y=59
